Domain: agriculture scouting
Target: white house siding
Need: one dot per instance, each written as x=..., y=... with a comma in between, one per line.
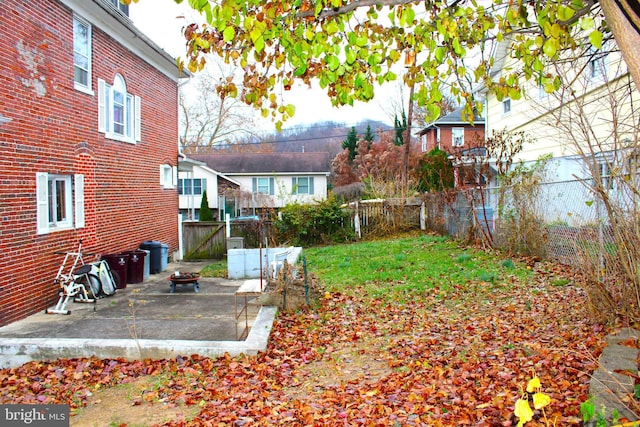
x=537, y=113
x=283, y=189
x=538, y=116
x=194, y=201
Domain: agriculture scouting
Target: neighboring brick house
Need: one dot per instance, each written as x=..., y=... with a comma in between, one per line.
x=465, y=144
x=269, y=180
x=453, y=134
x=88, y=142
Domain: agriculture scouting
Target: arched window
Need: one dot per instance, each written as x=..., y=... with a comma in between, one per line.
x=119, y=111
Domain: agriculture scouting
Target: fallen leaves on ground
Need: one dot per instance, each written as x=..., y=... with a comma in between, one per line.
x=454, y=358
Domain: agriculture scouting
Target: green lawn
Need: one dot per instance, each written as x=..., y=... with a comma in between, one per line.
x=405, y=266
x=402, y=267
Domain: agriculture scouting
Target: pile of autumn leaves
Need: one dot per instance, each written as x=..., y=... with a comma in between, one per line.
x=473, y=356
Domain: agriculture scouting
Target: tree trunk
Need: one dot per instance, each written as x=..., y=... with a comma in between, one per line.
x=626, y=33
x=407, y=144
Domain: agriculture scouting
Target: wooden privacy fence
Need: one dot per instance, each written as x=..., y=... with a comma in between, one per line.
x=204, y=240
x=208, y=239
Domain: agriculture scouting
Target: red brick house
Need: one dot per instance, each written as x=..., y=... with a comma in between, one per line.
x=465, y=144
x=88, y=142
x=453, y=134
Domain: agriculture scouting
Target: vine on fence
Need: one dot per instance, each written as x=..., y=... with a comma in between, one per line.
x=521, y=227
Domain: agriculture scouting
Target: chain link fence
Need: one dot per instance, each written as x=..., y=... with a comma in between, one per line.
x=561, y=221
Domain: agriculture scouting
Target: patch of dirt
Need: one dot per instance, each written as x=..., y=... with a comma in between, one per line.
x=127, y=405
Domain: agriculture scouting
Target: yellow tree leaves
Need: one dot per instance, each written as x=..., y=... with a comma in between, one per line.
x=523, y=410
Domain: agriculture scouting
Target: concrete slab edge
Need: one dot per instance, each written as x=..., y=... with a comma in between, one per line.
x=609, y=389
x=17, y=351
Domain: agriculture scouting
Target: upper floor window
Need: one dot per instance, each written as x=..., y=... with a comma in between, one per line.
x=598, y=64
x=263, y=185
x=457, y=137
x=188, y=186
x=302, y=185
x=81, y=54
x=506, y=106
x=118, y=111
x=542, y=92
x=124, y=8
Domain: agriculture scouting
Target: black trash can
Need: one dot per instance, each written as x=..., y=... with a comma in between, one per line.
x=155, y=255
x=135, y=266
x=119, y=265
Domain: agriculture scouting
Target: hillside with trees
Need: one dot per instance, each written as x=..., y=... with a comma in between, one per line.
x=318, y=137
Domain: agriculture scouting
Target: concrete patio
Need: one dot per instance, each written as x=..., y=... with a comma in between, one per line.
x=145, y=320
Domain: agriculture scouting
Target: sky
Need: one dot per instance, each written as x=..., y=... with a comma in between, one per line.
x=162, y=22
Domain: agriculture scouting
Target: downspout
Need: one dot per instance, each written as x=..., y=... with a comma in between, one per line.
x=179, y=84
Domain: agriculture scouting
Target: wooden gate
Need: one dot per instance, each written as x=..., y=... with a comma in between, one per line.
x=204, y=240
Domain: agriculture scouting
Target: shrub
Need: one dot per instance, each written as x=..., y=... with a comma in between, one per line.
x=435, y=172
x=308, y=225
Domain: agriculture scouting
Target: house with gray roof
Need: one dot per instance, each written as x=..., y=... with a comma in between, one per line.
x=257, y=181
x=464, y=141
x=454, y=134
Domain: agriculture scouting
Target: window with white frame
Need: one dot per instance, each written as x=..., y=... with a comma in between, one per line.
x=457, y=137
x=506, y=106
x=118, y=111
x=302, y=185
x=124, y=8
x=542, y=92
x=168, y=176
x=191, y=186
x=81, y=54
x=605, y=173
x=263, y=185
x=60, y=199
x=598, y=64
x=633, y=163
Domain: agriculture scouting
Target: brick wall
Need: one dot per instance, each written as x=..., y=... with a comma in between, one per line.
x=473, y=138
x=54, y=129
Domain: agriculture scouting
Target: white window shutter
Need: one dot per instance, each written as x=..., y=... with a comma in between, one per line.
x=102, y=108
x=42, y=203
x=162, y=183
x=79, y=199
x=174, y=176
x=138, y=119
